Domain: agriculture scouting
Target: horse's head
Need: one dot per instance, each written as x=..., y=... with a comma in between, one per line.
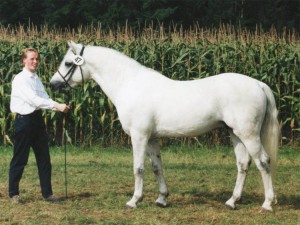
x=72, y=70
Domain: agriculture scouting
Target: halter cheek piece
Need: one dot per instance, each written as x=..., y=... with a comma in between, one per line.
x=77, y=61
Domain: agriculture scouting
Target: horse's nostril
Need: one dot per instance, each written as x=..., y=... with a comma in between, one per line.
x=54, y=86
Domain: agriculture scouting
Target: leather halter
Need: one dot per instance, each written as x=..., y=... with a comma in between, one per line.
x=71, y=71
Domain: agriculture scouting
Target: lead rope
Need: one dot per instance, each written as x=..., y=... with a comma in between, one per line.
x=66, y=180
x=65, y=148
x=65, y=125
x=71, y=71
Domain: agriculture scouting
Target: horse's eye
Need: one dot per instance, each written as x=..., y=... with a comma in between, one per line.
x=68, y=64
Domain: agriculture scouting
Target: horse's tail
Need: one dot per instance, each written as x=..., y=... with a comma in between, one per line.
x=270, y=128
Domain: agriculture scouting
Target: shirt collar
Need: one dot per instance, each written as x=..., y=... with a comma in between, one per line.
x=32, y=75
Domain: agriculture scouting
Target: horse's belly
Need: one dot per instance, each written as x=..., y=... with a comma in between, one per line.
x=178, y=129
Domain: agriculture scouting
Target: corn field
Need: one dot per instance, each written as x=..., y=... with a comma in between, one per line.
x=179, y=54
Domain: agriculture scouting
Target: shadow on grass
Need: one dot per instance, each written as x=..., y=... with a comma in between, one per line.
x=70, y=197
x=216, y=198
x=79, y=196
x=291, y=201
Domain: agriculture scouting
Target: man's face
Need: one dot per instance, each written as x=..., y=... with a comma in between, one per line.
x=31, y=62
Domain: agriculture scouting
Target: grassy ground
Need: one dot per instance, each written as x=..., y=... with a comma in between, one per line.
x=100, y=182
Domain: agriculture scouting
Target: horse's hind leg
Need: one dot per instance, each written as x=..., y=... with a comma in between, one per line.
x=242, y=160
x=262, y=161
x=153, y=151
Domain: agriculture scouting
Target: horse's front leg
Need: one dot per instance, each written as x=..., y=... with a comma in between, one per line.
x=153, y=152
x=139, y=145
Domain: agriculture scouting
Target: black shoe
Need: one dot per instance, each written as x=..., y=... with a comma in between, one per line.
x=16, y=199
x=52, y=198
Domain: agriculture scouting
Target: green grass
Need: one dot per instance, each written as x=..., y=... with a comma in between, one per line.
x=100, y=182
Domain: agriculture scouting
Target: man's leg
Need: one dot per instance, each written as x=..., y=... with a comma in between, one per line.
x=42, y=155
x=20, y=155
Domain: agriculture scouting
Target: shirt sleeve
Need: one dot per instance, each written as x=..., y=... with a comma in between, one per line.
x=36, y=97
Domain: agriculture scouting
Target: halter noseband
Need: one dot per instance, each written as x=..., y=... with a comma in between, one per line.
x=71, y=71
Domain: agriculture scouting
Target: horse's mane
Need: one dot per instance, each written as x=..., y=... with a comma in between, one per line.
x=117, y=55
x=127, y=60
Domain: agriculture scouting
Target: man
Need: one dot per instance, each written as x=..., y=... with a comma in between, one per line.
x=28, y=97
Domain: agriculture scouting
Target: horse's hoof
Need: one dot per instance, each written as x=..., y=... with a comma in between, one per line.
x=161, y=204
x=131, y=205
x=230, y=207
x=161, y=200
x=266, y=207
x=264, y=210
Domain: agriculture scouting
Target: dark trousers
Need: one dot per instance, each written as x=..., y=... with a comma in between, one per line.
x=30, y=131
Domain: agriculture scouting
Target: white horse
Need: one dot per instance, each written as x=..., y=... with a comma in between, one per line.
x=150, y=106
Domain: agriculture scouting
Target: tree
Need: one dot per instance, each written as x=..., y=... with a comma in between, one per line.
x=71, y=13
x=19, y=12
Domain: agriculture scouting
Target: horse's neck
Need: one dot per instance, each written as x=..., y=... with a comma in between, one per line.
x=111, y=69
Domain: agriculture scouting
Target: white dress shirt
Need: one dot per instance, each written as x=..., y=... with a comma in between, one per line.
x=28, y=94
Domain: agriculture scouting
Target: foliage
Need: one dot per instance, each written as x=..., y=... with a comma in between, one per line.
x=282, y=14
x=177, y=53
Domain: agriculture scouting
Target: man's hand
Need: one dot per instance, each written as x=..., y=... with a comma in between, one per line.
x=61, y=107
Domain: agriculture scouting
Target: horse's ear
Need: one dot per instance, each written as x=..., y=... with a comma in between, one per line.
x=70, y=43
x=75, y=47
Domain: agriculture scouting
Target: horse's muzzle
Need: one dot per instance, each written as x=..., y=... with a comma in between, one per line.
x=58, y=86
x=54, y=85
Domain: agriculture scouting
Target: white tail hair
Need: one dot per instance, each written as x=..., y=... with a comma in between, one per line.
x=270, y=129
